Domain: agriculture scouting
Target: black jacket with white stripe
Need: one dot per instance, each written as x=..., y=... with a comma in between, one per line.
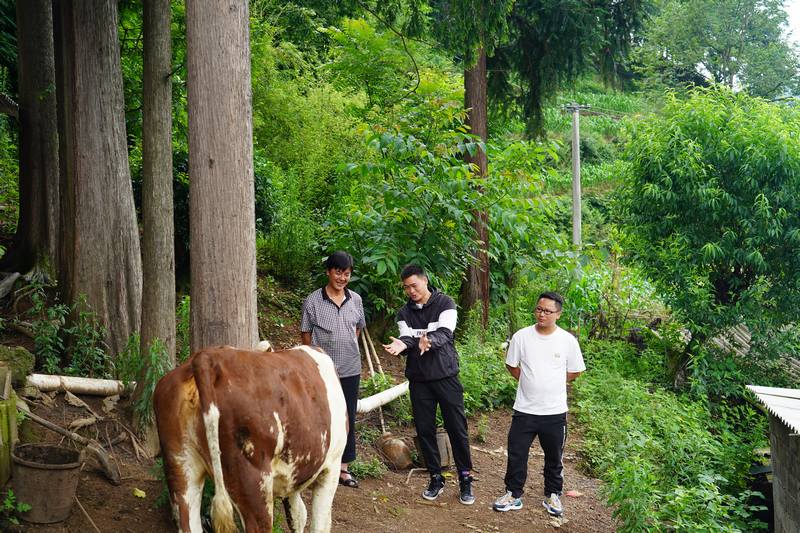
x=438, y=318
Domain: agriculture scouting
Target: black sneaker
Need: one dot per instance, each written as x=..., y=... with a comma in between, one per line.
x=465, y=485
x=435, y=487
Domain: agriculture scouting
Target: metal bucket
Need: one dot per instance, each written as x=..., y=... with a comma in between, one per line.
x=46, y=478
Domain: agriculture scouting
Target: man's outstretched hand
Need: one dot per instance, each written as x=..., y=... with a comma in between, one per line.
x=424, y=344
x=395, y=347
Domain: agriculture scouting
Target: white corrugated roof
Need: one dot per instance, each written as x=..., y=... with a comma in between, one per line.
x=783, y=403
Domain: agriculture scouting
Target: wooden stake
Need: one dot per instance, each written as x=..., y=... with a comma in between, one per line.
x=374, y=351
x=367, y=354
x=372, y=375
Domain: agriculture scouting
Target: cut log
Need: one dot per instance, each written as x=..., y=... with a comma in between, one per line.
x=77, y=385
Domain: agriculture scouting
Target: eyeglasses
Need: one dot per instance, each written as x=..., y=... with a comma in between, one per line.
x=546, y=312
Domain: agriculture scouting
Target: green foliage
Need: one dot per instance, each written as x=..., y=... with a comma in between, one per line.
x=130, y=365
x=373, y=468
x=741, y=44
x=482, y=372
x=367, y=60
x=60, y=330
x=413, y=204
x=88, y=357
x=301, y=123
x=10, y=509
x=666, y=460
x=9, y=170
x=182, y=333
x=518, y=170
x=482, y=432
x=289, y=250
x=624, y=359
x=46, y=325
x=367, y=435
x=552, y=42
x=711, y=205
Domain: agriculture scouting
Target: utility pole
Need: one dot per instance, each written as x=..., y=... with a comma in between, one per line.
x=576, y=172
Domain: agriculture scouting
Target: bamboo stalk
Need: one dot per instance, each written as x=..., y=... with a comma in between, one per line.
x=367, y=354
x=372, y=375
x=5, y=443
x=374, y=351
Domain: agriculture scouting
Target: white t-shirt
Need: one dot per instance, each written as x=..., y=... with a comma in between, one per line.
x=544, y=361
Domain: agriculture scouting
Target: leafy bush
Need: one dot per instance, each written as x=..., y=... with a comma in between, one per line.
x=373, y=468
x=667, y=463
x=10, y=509
x=289, y=250
x=413, y=205
x=57, y=336
x=487, y=384
x=711, y=201
x=130, y=365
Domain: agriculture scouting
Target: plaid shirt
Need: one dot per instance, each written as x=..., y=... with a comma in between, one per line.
x=333, y=328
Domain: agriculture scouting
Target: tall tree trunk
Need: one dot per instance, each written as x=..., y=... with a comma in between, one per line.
x=35, y=243
x=158, y=247
x=221, y=195
x=475, y=288
x=100, y=255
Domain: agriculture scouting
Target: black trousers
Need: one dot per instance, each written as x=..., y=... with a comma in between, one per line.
x=449, y=395
x=350, y=389
x=552, y=432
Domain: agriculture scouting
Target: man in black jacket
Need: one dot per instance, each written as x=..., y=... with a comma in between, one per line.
x=426, y=325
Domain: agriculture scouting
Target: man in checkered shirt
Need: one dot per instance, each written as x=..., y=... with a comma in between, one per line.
x=333, y=317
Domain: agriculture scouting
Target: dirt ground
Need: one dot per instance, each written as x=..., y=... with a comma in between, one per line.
x=392, y=503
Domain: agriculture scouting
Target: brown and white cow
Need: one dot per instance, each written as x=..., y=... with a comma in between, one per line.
x=262, y=426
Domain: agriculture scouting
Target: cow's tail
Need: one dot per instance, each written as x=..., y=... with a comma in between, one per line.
x=205, y=371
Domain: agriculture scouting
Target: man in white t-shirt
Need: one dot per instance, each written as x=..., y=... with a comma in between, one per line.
x=543, y=358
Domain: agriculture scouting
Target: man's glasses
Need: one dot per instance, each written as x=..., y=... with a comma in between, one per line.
x=546, y=312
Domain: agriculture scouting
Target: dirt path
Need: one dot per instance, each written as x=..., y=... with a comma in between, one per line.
x=388, y=504
x=391, y=504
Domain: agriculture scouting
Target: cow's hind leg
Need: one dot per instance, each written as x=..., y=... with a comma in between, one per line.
x=185, y=484
x=296, y=514
x=322, y=500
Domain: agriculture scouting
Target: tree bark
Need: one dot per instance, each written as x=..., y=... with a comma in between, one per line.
x=35, y=243
x=158, y=247
x=221, y=195
x=475, y=288
x=100, y=255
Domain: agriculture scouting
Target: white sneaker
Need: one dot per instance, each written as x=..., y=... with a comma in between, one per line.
x=507, y=502
x=553, y=505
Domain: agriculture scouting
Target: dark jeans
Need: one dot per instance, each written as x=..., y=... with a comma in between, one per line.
x=350, y=389
x=552, y=432
x=449, y=395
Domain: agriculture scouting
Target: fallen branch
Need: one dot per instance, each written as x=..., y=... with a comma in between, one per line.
x=111, y=471
x=89, y=518
x=414, y=470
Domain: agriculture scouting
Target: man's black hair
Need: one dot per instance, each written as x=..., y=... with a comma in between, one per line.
x=339, y=260
x=412, y=270
x=557, y=298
